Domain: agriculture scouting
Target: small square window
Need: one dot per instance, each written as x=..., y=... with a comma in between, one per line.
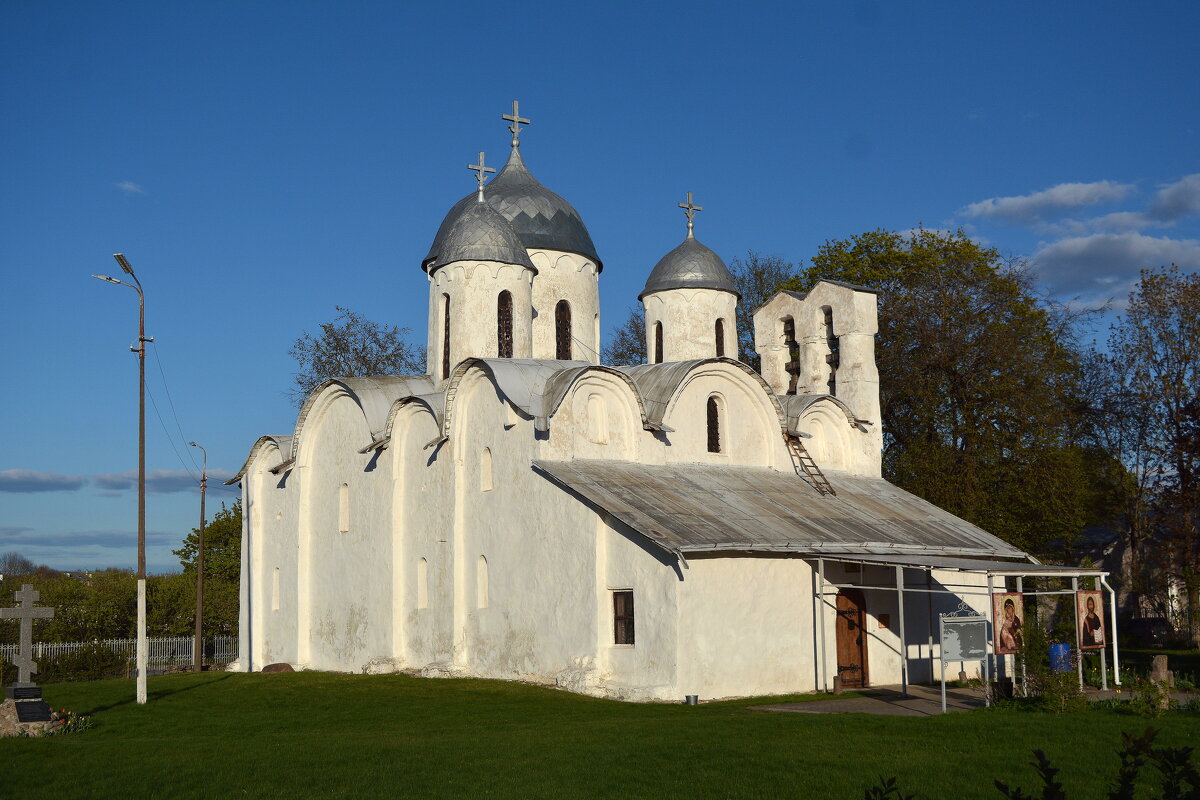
x=623, y=617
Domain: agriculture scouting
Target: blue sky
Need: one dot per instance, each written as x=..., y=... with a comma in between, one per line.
x=259, y=163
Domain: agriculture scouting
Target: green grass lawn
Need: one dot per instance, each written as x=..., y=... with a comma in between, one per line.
x=324, y=735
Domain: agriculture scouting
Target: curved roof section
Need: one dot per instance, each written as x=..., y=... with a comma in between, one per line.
x=658, y=383
x=374, y=396
x=794, y=406
x=523, y=381
x=479, y=233
x=691, y=265
x=542, y=219
x=282, y=443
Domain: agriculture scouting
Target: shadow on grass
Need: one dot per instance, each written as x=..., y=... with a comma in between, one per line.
x=157, y=694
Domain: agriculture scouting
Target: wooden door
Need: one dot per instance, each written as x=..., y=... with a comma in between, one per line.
x=851, y=639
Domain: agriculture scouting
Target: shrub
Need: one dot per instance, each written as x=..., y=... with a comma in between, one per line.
x=88, y=663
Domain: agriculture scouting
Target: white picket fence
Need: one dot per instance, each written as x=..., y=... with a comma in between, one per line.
x=162, y=649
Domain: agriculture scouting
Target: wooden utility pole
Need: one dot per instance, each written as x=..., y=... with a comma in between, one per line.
x=198, y=644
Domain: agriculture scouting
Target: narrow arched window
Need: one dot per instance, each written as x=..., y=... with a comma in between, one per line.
x=445, y=336
x=504, y=325
x=793, y=348
x=658, y=343
x=831, y=342
x=714, y=425
x=562, y=331
x=720, y=338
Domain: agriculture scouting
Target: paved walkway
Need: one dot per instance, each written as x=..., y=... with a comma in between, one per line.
x=922, y=701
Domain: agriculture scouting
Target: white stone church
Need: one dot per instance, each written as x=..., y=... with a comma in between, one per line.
x=682, y=527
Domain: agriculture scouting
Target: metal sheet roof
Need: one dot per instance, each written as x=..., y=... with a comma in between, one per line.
x=657, y=383
x=988, y=566
x=698, y=507
x=479, y=233
x=691, y=265
x=541, y=218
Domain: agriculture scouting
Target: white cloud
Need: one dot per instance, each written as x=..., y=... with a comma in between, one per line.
x=1176, y=200
x=1030, y=208
x=24, y=481
x=129, y=187
x=1109, y=263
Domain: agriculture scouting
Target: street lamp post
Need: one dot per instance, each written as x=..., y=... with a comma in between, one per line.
x=198, y=645
x=142, y=655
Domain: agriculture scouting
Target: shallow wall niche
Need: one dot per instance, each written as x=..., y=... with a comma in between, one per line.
x=597, y=419
x=485, y=470
x=422, y=583
x=344, y=508
x=481, y=582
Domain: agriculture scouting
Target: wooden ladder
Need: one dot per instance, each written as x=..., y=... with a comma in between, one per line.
x=803, y=461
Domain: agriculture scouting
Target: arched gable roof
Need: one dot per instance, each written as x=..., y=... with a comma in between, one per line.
x=658, y=383
x=281, y=441
x=794, y=406
x=522, y=381
x=374, y=395
x=560, y=385
x=434, y=403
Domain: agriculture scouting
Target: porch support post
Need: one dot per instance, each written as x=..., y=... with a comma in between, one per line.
x=990, y=659
x=1078, y=639
x=903, y=640
x=1112, y=631
x=1021, y=655
x=1104, y=650
x=821, y=665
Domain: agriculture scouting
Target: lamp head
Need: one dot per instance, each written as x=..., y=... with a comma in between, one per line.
x=124, y=262
x=106, y=278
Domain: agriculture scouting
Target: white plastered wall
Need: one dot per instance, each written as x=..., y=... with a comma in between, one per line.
x=746, y=626
x=688, y=318
x=273, y=560
x=570, y=277
x=345, y=598
x=474, y=289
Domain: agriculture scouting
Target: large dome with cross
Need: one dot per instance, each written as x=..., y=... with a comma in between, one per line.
x=542, y=219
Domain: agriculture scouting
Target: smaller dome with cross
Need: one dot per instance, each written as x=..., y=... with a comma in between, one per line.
x=691, y=265
x=480, y=233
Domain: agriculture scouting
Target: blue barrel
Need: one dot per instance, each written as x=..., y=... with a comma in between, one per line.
x=1060, y=658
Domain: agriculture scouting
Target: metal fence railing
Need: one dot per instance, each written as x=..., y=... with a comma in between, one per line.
x=162, y=649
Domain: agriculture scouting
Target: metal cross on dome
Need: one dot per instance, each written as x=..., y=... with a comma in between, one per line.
x=690, y=210
x=26, y=613
x=479, y=170
x=517, y=121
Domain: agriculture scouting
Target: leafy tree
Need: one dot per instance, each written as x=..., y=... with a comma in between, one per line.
x=978, y=383
x=222, y=546
x=352, y=346
x=757, y=278
x=628, y=343
x=222, y=572
x=1155, y=387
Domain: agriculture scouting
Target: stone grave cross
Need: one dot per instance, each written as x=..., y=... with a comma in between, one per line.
x=26, y=613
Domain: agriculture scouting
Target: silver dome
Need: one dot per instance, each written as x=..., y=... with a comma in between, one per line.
x=478, y=233
x=691, y=265
x=542, y=219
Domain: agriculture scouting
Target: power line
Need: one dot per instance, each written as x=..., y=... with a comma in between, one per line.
x=170, y=440
x=167, y=389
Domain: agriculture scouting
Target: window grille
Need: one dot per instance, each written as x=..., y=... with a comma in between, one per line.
x=562, y=331
x=623, y=617
x=720, y=338
x=714, y=426
x=445, y=336
x=504, y=325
